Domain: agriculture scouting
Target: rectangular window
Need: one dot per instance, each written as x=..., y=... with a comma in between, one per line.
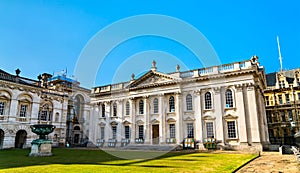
x=172, y=131
x=190, y=130
x=231, y=129
x=23, y=110
x=103, y=110
x=127, y=132
x=287, y=98
x=290, y=115
x=114, y=132
x=102, y=132
x=210, y=130
x=43, y=115
x=141, y=132
x=282, y=116
x=298, y=97
x=2, y=108
x=267, y=100
x=280, y=99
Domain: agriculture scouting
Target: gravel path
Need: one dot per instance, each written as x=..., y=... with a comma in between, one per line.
x=272, y=162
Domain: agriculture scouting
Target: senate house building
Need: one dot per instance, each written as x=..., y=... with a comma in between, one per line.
x=222, y=104
x=220, y=107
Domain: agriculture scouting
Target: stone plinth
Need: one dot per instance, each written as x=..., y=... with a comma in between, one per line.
x=41, y=147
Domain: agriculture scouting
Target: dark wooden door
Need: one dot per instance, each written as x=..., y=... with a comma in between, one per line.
x=155, y=134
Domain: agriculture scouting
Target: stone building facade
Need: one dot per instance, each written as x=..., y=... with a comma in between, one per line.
x=56, y=100
x=222, y=103
x=282, y=99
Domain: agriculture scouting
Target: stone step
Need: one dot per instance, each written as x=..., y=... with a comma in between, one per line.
x=149, y=147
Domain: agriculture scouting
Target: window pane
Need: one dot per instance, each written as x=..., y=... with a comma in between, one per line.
x=171, y=104
x=282, y=116
x=210, y=129
x=172, y=131
x=229, y=98
x=208, y=104
x=103, y=110
x=190, y=130
x=23, y=109
x=141, y=107
x=141, y=132
x=155, y=105
x=2, y=108
x=102, y=133
x=231, y=129
x=189, y=102
x=114, y=132
x=127, y=132
x=115, y=109
x=127, y=108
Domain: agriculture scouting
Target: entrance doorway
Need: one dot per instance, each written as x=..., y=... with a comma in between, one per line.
x=1, y=138
x=155, y=134
x=20, y=139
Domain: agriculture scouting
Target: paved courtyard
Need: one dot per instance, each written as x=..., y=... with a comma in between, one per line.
x=272, y=162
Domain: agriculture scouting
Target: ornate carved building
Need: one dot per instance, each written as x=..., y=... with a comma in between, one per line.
x=282, y=98
x=56, y=100
x=222, y=103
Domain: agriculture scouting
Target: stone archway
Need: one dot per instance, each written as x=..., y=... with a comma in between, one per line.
x=20, y=139
x=1, y=138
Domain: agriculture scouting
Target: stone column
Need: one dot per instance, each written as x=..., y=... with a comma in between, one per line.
x=148, y=127
x=253, y=114
x=219, y=111
x=133, y=120
x=179, y=122
x=240, y=111
x=163, y=124
x=198, y=115
x=13, y=110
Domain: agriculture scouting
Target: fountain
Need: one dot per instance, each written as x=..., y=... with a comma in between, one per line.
x=41, y=146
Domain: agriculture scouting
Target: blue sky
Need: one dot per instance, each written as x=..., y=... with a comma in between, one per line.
x=49, y=36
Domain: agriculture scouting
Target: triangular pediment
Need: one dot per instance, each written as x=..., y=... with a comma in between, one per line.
x=153, y=78
x=230, y=116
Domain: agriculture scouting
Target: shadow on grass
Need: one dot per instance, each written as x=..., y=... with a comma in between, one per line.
x=13, y=158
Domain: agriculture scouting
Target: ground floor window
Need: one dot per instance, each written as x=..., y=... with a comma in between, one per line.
x=210, y=130
x=102, y=132
x=114, y=132
x=127, y=132
x=190, y=130
x=172, y=131
x=2, y=108
x=231, y=129
x=141, y=132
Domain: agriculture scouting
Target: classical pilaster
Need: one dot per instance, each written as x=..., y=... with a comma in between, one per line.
x=162, y=118
x=197, y=108
x=253, y=114
x=148, y=127
x=240, y=111
x=179, y=118
x=219, y=111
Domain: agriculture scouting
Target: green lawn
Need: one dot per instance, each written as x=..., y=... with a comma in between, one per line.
x=77, y=160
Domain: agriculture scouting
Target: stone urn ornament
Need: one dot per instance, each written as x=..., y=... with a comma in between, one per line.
x=41, y=146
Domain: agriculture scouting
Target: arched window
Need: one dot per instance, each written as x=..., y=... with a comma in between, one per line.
x=141, y=107
x=115, y=109
x=127, y=108
x=4, y=102
x=229, y=98
x=171, y=104
x=189, y=102
x=103, y=110
x=45, y=113
x=208, y=103
x=155, y=105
